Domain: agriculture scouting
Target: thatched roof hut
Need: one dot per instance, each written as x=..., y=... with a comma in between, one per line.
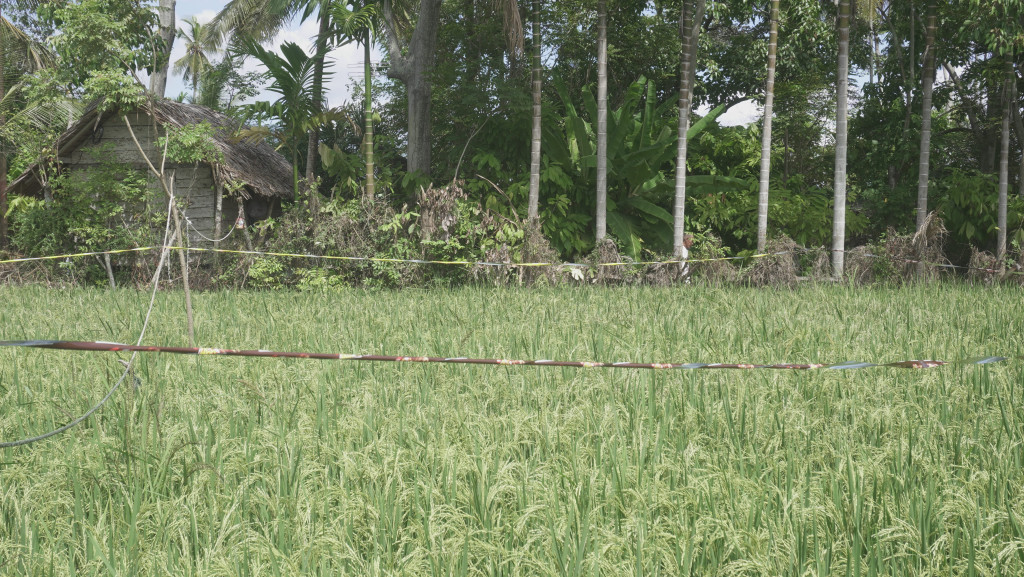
x=257, y=174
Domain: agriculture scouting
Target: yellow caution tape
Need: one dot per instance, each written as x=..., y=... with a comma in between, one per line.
x=80, y=254
x=424, y=261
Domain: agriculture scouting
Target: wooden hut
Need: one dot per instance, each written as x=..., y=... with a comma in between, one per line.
x=252, y=175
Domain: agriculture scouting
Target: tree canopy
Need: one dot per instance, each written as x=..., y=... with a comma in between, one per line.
x=930, y=84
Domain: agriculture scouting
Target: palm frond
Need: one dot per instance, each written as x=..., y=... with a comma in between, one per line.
x=26, y=54
x=47, y=116
x=259, y=20
x=512, y=24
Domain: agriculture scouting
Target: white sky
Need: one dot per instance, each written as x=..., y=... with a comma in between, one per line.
x=741, y=114
x=347, y=60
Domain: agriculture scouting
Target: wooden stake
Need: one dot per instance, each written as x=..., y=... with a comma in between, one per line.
x=181, y=241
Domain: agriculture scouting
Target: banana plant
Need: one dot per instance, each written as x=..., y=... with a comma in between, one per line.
x=641, y=150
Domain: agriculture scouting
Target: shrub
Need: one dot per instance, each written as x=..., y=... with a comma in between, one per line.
x=97, y=208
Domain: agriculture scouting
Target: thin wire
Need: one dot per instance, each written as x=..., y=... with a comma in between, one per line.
x=127, y=364
x=472, y=263
x=88, y=413
x=206, y=238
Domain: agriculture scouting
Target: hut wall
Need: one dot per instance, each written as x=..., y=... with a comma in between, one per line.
x=113, y=136
x=194, y=185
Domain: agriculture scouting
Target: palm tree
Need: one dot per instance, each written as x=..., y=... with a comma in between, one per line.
x=200, y=40
x=261, y=20
x=602, y=119
x=690, y=19
x=1004, y=159
x=842, y=110
x=369, y=192
x=360, y=25
x=536, y=72
x=927, y=84
x=293, y=78
x=766, y=131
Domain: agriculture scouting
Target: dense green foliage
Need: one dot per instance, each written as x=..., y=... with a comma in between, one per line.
x=480, y=109
x=99, y=208
x=234, y=466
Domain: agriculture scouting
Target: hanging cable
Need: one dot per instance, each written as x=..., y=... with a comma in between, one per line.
x=128, y=363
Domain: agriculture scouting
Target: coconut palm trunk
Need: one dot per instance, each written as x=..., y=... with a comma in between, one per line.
x=1019, y=124
x=1004, y=162
x=3, y=155
x=371, y=190
x=533, y=212
x=927, y=83
x=690, y=19
x=842, y=110
x=766, y=131
x=602, y=119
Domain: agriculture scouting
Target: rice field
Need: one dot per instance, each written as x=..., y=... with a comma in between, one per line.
x=239, y=466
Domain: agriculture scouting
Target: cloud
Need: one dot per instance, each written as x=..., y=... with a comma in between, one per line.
x=741, y=114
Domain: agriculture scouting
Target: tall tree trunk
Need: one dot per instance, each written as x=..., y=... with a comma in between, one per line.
x=411, y=64
x=994, y=110
x=1020, y=141
x=842, y=83
x=766, y=131
x=419, y=90
x=1019, y=128
x=927, y=82
x=312, y=146
x=602, y=119
x=690, y=19
x=3, y=155
x=1004, y=162
x=371, y=190
x=158, y=81
x=874, y=51
x=533, y=212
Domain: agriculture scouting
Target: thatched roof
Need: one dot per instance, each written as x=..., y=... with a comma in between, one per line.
x=263, y=170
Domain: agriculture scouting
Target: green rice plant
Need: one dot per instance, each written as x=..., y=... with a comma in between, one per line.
x=235, y=466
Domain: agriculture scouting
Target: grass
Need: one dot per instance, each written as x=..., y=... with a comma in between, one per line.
x=233, y=466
